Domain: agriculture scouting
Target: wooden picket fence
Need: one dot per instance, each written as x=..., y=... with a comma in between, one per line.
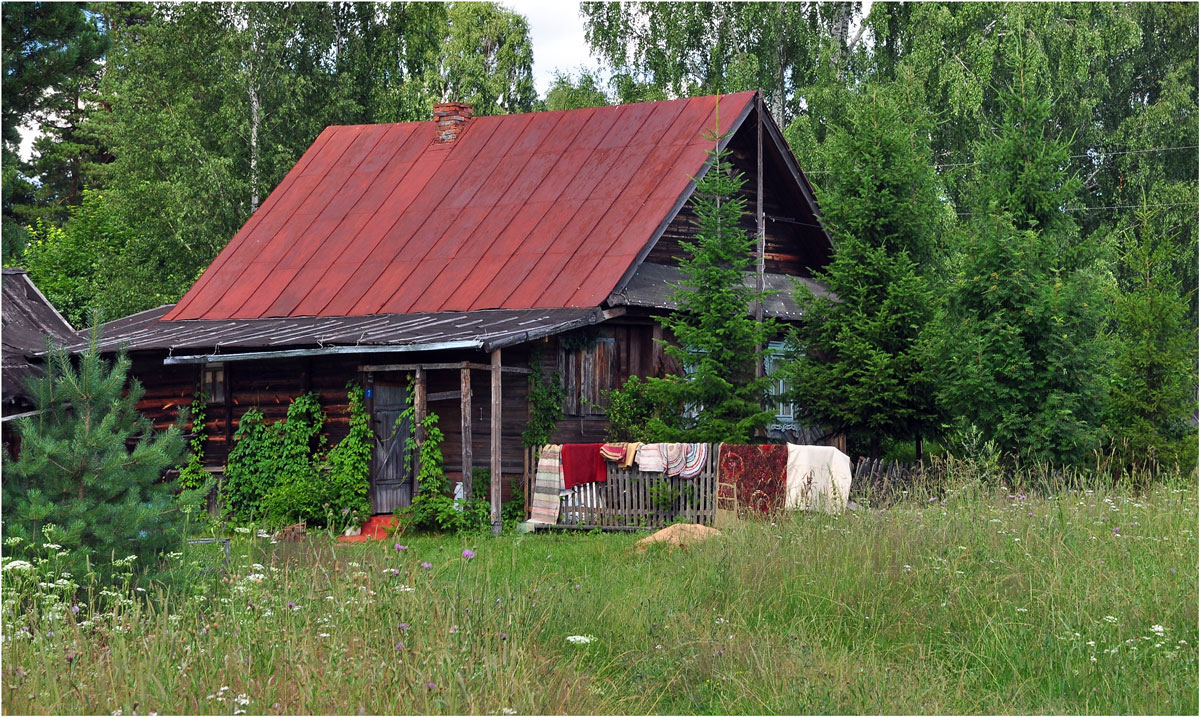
x=630, y=499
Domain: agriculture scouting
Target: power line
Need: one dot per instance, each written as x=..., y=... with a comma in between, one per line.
x=1094, y=155
x=967, y=214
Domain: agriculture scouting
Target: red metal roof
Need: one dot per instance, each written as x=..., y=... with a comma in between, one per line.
x=544, y=210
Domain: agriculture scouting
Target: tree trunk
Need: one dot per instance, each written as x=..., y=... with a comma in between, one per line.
x=254, y=123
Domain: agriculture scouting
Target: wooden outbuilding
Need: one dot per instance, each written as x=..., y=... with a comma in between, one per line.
x=28, y=322
x=456, y=252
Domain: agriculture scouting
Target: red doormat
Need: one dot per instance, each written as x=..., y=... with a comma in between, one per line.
x=377, y=528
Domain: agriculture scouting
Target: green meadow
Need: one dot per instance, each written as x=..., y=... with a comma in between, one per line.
x=970, y=601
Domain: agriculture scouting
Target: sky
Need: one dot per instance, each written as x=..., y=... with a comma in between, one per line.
x=556, y=30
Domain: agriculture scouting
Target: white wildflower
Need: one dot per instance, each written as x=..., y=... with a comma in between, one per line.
x=580, y=639
x=17, y=566
x=1109, y=618
x=1157, y=629
x=243, y=531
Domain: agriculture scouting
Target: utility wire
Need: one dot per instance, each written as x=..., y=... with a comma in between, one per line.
x=1111, y=206
x=1094, y=155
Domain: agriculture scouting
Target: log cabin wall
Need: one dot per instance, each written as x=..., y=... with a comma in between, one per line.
x=594, y=360
x=271, y=385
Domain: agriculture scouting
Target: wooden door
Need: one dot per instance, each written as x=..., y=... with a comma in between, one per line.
x=391, y=464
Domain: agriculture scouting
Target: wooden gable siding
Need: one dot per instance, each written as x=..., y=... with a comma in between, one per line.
x=791, y=248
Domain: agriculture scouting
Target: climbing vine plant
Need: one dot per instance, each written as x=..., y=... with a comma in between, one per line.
x=281, y=472
x=546, y=396
x=192, y=474
x=433, y=507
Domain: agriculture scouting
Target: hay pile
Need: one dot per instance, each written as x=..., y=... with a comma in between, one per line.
x=680, y=534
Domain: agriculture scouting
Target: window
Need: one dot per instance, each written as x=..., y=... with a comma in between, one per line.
x=589, y=369
x=784, y=410
x=212, y=382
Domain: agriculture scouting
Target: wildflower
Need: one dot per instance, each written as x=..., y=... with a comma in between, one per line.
x=243, y=531
x=426, y=565
x=933, y=500
x=403, y=626
x=1109, y=618
x=399, y=645
x=431, y=685
x=468, y=554
x=1091, y=643
x=323, y=634
x=1157, y=629
x=401, y=547
x=453, y=629
x=18, y=566
x=580, y=639
x=292, y=605
x=504, y=636
x=74, y=609
x=508, y=711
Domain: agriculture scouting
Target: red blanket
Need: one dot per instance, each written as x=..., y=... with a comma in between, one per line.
x=582, y=463
x=759, y=472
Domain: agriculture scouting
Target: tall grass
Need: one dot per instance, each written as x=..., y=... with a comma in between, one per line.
x=961, y=601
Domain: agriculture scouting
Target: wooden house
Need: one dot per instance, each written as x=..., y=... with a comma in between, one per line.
x=454, y=252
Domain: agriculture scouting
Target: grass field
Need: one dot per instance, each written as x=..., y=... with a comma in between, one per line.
x=963, y=603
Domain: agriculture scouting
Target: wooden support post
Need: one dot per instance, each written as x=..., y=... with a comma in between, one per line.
x=759, y=283
x=497, y=473
x=228, y=399
x=467, y=458
x=418, y=419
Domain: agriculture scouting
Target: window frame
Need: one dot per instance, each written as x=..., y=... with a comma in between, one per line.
x=214, y=375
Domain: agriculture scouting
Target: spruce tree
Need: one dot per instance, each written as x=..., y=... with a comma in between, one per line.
x=92, y=467
x=857, y=360
x=1022, y=356
x=1153, y=383
x=716, y=339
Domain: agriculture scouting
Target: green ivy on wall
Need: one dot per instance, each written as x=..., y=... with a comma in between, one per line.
x=192, y=474
x=281, y=473
x=546, y=396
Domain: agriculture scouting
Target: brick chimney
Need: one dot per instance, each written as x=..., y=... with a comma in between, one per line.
x=451, y=118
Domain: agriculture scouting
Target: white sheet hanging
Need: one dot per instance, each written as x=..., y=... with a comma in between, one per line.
x=818, y=477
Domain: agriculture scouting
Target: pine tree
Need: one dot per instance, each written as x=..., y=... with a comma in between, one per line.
x=858, y=358
x=718, y=341
x=91, y=466
x=1022, y=356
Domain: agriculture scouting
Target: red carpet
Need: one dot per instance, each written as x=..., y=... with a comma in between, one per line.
x=374, y=529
